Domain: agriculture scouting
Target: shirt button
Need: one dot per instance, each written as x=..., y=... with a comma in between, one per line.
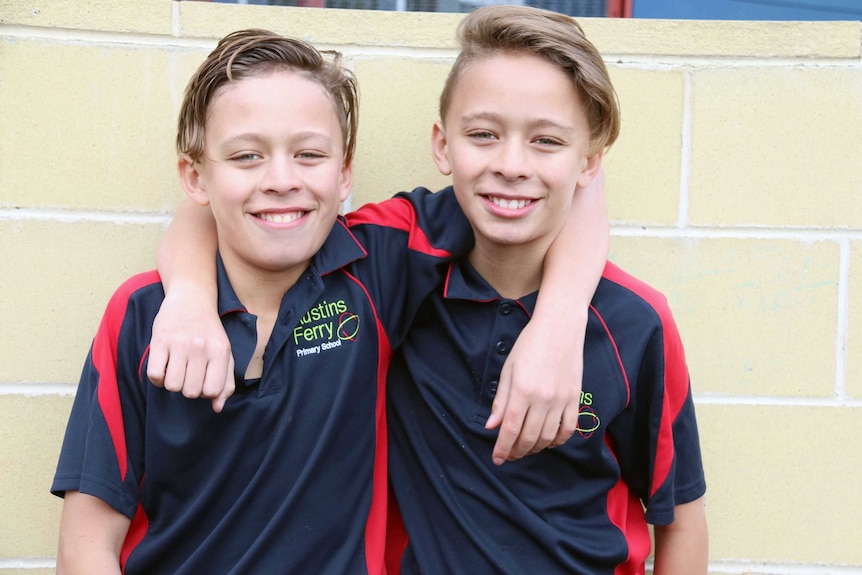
x=493, y=386
x=502, y=347
x=505, y=308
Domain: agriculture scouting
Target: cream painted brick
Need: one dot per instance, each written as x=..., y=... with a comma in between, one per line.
x=643, y=166
x=140, y=16
x=757, y=316
x=56, y=281
x=323, y=26
x=854, y=320
x=783, y=482
x=27, y=571
x=31, y=433
x=398, y=108
x=87, y=127
x=658, y=38
x=777, y=146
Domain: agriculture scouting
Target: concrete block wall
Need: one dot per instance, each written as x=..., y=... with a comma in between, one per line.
x=735, y=188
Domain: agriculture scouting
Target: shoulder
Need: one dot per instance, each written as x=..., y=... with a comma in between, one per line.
x=632, y=311
x=401, y=210
x=146, y=285
x=622, y=292
x=423, y=221
x=142, y=292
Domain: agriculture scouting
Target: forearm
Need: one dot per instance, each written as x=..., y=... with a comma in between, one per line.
x=91, y=536
x=538, y=398
x=682, y=548
x=186, y=255
x=575, y=261
x=83, y=560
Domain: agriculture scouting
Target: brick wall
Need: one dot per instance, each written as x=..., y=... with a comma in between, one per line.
x=735, y=188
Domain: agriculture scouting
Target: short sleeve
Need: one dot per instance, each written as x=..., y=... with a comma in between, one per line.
x=102, y=453
x=676, y=468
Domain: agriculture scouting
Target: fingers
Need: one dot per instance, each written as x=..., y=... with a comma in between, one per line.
x=195, y=372
x=501, y=400
x=157, y=363
x=217, y=369
x=568, y=424
x=530, y=423
x=510, y=435
x=196, y=368
x=228, y=387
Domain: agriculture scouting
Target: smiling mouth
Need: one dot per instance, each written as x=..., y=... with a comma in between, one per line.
x=283, y=218
x=509, y=204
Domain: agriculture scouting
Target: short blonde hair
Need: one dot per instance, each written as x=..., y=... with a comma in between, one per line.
x=557, y=39
x=248, y=53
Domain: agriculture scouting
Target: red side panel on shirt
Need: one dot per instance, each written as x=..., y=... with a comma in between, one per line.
x=626, y=512
x=375, y=526
x=105, y=361
x=676, y=379
x=399, y=214
x=136, y=534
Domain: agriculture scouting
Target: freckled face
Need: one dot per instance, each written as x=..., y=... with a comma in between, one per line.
x=273, y=170
x=515, y=140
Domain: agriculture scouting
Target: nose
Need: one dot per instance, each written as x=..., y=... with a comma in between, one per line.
x=512, y=161
x=281, y=175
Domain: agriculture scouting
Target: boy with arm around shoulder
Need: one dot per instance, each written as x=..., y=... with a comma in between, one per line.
x=526, y=113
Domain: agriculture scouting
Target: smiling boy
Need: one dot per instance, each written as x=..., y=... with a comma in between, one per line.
x=525, y=116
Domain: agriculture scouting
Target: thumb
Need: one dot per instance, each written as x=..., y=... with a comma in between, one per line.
x=501, y=399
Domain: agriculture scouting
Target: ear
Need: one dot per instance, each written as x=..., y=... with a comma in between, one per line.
x=346, y=184
x=191, y=180
x=592, y=165
x=440, y=149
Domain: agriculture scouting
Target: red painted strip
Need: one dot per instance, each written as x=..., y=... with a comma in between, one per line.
x=676, y=380
x=396, y=213
x=105, y=362
x=619, y=8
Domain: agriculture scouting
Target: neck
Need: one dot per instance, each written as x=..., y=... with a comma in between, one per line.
x=259, y=290
x=513, y=271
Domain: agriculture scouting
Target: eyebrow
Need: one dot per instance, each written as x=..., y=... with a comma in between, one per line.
x=254, y=138
x=537, y=123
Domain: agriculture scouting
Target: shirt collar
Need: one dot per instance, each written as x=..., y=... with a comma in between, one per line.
x=464, y=282
x=340, y=249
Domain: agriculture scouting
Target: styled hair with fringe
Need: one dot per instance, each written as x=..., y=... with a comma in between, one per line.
x=247, y=53
x=492, y=30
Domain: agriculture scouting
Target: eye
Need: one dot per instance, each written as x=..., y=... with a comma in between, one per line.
x=548, y=141
x=310, y=155
x=246, y=157
x=481, y=135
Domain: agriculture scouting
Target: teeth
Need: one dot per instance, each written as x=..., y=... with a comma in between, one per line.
x=281, y=218
x=510, y=204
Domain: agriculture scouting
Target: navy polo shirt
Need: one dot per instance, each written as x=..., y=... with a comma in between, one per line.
x=291, y=477
x=575, y=509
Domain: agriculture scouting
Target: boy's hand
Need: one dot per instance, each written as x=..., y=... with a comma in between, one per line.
x=189, y=351
x=538, y=396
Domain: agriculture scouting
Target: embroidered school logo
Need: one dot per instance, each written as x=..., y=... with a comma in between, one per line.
x=348, y=326
x=324, y=327
x=588, y=419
